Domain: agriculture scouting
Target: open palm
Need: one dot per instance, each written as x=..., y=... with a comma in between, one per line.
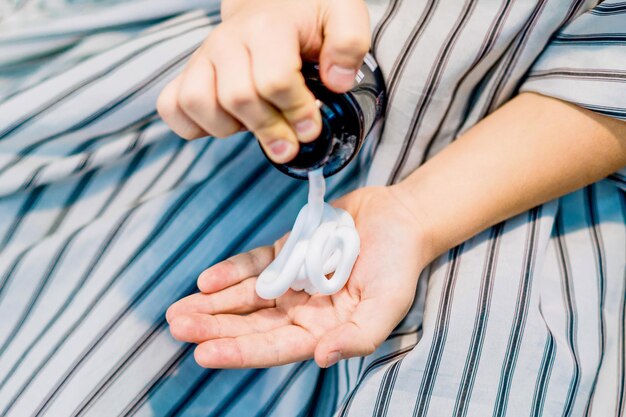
x=234, y=328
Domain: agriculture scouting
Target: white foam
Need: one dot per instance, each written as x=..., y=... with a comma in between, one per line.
x=323, y=240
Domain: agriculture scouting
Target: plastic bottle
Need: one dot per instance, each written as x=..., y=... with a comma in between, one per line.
x=346, y=121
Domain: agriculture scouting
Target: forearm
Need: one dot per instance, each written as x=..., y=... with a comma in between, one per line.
x=530, y=151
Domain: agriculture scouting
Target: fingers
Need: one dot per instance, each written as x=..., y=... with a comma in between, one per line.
x=235, y=269
x=279, y=346
x=360, y=336
x=237, y=94
x=172, y=114
x=198, y=328
x=346, y=41
x=278, y=79
x=197, y=98
x=247, y=74
x=237, y=299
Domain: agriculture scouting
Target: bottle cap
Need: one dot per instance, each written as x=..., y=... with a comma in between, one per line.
x=334, y=148
x=346, y=120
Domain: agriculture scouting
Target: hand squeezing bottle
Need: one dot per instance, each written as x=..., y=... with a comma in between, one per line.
x=323, y=246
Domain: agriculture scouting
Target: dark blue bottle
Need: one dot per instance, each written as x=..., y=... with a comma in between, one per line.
x=346, y=121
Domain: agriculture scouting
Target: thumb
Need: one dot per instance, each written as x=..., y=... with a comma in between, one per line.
x=360, y=336
x=347, y=38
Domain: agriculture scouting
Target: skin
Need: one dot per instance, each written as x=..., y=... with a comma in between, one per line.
x=246, y=74
x=235, y=328
x=531, y=150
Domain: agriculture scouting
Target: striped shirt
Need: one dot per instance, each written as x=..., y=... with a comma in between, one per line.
x=106, y=218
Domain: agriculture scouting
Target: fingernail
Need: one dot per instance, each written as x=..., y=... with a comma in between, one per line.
x=280, y=148
x=341, y=77
x=332, y=358
x=305, y=128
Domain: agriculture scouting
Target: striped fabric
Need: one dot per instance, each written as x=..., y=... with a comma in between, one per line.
x=106, y=218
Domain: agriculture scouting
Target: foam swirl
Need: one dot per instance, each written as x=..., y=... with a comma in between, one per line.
x=323, y=240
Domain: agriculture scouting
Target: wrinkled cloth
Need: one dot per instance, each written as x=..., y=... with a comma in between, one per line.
x=107, y=217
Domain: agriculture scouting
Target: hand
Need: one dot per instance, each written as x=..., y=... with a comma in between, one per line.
x=247, y=72
x=234, y=328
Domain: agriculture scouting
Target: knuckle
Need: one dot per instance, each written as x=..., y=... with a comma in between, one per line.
x=249, y=298
x=270, y=342
x=238, y=357
x=273, y=85
x=165, y=107
x=191, y=100
x=237, y=100
x=217, y=38
x=301, y=111
x=254, y=262
x=229, y=267
x=217, y=327
x=264, y=21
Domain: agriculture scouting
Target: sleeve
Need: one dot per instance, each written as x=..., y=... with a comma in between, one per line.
x=585, y=64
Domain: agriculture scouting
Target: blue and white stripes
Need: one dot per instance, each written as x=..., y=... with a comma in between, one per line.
x=106, y=217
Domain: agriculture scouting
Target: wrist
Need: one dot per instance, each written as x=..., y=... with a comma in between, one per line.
x=421, y=221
